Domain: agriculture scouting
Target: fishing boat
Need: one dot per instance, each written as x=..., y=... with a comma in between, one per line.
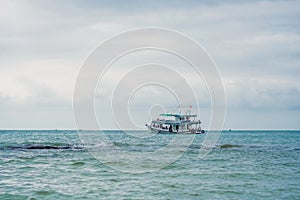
x=176, y=123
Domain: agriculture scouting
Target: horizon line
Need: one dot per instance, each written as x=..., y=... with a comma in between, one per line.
x=53, y=129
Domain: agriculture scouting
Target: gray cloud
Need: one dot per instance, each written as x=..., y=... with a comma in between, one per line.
x=43, y=43
x=264, y=95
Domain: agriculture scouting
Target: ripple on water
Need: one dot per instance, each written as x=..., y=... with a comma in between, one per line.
x=9, y=196
x=48, y=194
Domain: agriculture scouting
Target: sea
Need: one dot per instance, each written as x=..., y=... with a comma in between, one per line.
x=62, y=164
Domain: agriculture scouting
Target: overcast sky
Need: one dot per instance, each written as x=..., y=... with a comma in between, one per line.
x=255, y=45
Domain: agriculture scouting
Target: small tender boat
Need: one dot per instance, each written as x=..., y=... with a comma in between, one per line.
x=176, y=123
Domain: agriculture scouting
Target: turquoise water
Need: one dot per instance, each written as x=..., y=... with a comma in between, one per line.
x=57, y=165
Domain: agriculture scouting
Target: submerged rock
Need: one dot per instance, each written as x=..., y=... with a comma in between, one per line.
x=40, y=147
x=225, y=146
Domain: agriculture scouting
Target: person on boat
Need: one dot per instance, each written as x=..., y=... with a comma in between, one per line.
x=170, y=128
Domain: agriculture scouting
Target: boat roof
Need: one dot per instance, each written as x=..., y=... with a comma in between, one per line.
x=175, y=122
x=177, y=115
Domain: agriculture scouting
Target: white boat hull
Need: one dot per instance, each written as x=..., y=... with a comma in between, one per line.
x=166, y=131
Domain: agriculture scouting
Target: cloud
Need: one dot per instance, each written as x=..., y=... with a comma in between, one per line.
x=254, y=44
x=263, y=94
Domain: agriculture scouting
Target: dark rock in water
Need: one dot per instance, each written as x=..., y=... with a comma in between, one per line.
x=79, y=163
x=47, y=147
x=224, y=146
x=41, y=147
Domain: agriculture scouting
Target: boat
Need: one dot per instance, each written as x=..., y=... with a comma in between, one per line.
x=176, y=123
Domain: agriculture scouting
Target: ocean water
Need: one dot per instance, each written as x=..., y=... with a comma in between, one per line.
x=59, y=165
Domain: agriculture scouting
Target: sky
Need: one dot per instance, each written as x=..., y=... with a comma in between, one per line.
x=254, y=44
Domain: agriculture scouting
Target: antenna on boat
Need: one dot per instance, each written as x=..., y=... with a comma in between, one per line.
x=188, y=111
